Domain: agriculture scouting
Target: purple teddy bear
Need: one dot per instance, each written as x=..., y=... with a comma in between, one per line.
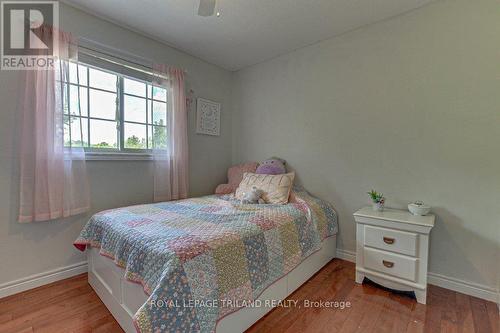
x=272, y=166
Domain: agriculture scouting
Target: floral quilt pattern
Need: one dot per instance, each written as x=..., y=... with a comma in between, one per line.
x=200, y=259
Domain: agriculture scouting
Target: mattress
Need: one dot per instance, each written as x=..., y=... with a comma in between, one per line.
x=203, y=258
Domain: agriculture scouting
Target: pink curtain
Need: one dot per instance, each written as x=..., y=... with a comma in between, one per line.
x=53, y=182
x=171, y=163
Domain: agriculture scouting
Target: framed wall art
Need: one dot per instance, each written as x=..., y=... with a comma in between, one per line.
x=207, y=117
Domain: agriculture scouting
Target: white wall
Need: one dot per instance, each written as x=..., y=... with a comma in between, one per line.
x=27, y=249
x=409, y=106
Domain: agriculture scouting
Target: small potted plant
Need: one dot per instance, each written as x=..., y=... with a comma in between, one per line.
x=378, y=200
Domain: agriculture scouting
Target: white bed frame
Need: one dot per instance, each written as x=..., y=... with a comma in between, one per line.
x=123, y=298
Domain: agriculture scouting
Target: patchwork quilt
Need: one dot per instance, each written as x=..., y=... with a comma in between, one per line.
x=200, y=259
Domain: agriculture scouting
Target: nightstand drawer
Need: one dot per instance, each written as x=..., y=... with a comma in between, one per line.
x=391, y=264
x=391, y=240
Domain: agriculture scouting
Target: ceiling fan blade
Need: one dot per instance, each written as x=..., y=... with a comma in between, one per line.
x=206, y=8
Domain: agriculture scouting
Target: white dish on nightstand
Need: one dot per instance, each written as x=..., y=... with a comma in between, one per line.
x=418, y=208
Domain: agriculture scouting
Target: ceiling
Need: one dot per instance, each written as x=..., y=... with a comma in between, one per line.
x=248, y=31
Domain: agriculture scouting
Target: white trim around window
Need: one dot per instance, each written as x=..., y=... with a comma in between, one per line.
x=117, y=156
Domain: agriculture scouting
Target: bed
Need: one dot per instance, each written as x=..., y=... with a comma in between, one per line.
x=205, y=264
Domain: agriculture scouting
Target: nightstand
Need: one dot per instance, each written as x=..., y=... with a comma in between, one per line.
x=392, y=249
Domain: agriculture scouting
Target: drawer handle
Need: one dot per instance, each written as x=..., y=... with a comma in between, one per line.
x=388, y=240
x=388, y=264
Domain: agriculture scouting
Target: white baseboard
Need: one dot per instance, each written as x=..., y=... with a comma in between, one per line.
x=346, y=255
x=37, y=280
x=443, y=281
x=40, y=279
x=464, y=287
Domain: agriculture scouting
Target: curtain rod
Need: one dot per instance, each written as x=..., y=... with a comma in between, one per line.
x=88, y=41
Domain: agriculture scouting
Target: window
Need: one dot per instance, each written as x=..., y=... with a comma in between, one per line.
x=112, y=112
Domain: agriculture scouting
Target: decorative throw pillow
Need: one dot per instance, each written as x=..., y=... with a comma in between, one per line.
x=276, y=188
x=272, y=166
x=235, y=175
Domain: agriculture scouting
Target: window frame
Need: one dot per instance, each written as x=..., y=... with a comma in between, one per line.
x=121, y=152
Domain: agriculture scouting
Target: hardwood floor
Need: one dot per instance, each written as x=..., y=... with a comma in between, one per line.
x=376, y=310
x=69, y=305
x=72, y=306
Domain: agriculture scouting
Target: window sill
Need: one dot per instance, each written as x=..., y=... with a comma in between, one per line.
x=115, y=156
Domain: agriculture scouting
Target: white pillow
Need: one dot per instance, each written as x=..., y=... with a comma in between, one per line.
x=276, y=187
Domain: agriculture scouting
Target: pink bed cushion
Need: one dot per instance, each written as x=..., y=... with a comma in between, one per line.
x=234, y=176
